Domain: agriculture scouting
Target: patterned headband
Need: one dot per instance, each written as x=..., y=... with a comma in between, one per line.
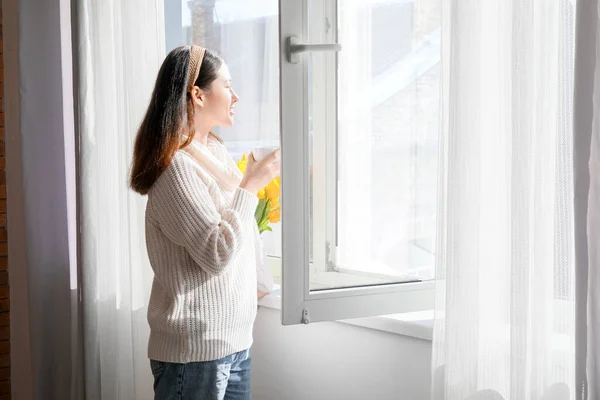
x=196, y=57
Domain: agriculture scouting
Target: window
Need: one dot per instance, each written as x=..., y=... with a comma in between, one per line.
x=359, y=132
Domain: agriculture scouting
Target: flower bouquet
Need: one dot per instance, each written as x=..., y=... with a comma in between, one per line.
x=268, y=210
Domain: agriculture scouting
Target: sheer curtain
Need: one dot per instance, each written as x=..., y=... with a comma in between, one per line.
x=121, y=48
x=505, y=304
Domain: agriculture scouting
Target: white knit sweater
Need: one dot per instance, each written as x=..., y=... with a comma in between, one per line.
x=201, y=242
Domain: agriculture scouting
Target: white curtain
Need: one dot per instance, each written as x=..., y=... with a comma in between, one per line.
x=505, y=301
x=121, y=48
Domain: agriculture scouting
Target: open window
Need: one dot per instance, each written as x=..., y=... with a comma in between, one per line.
x=359, y=134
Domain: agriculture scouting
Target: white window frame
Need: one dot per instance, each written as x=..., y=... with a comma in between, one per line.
x=299, y=304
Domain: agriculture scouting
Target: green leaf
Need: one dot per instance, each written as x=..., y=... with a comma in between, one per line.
x=266, y=210
x=264, y=217
x=267, y=228
x=263, y=223
x=260, y=209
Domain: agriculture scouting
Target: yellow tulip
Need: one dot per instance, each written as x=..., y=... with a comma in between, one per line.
x=273, y=189
x=242, y=163
x=261, y=194
x=274, y=216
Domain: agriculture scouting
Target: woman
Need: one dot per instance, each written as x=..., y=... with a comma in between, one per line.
x=201, y=234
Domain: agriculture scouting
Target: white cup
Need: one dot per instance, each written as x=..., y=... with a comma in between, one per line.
x=260, y=153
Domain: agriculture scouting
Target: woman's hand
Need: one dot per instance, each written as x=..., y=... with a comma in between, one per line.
x=259, y=174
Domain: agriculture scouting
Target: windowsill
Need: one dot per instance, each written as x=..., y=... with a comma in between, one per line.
x=415, y=324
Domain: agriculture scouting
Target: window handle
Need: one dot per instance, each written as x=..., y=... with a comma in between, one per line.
x=294, y=48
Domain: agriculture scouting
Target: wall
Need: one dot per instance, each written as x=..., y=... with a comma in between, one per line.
x=335, y=361
x=4, y=287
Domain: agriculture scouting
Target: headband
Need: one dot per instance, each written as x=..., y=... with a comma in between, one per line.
x=196, y=57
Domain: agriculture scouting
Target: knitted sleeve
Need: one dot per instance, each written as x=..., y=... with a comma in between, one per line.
x=185, y=212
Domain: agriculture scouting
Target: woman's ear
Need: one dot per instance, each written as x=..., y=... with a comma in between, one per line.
x=198, y=96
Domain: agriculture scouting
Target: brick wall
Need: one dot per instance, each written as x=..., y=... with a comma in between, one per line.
x=4, y=305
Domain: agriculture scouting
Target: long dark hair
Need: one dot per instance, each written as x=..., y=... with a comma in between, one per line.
x=169, y=116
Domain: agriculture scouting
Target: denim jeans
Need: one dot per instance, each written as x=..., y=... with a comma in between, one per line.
x=224, y=379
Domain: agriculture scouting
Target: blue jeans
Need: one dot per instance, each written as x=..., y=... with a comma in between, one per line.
x=224, y=379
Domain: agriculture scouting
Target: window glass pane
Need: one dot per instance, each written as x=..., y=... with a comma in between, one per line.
x=388, y=86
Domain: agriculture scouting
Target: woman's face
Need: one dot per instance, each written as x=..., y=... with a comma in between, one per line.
x=219, y=101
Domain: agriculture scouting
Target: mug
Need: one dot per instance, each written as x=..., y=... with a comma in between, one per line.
x=260, y=153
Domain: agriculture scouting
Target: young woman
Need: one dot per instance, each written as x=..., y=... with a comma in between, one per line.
x=201, y=235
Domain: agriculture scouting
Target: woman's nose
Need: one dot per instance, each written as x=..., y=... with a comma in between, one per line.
x=235, y=96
